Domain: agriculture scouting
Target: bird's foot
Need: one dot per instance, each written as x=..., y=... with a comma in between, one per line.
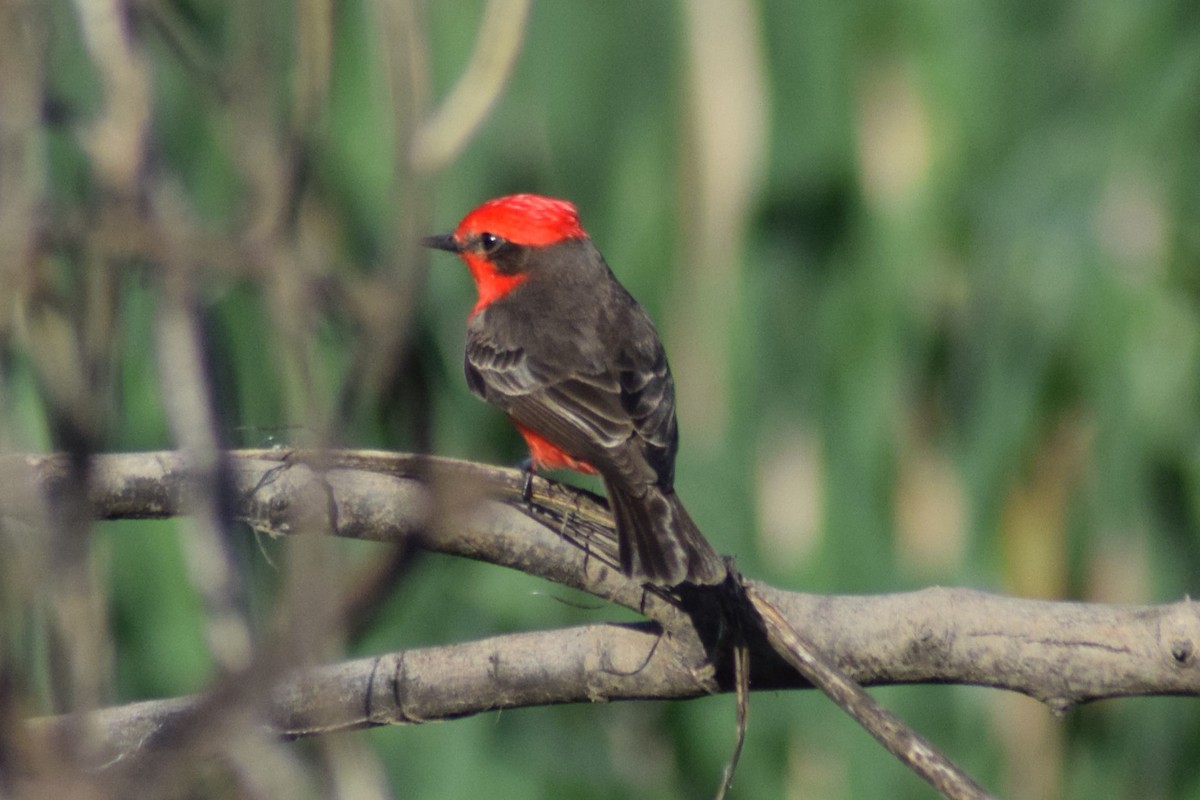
x=526, y=466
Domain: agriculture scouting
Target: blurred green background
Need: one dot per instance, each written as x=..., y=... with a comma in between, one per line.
x=927, y=275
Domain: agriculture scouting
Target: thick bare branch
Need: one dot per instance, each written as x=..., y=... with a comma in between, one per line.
x=1061, y=653
x=1056, y=651
x=616, y=662
x=595, y=663
x=455, y=507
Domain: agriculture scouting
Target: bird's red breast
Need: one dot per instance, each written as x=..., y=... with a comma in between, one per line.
x=547, y=455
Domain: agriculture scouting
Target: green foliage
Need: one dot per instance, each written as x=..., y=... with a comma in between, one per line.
x=962, y=341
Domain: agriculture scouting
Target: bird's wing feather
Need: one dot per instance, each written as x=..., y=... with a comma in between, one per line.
x=494, y=368
x=618, y=417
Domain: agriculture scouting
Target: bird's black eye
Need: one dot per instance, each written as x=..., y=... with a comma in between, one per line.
x=490, y=242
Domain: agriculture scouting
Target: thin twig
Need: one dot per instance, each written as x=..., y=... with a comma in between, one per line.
x=900, y=740
x=741, y=679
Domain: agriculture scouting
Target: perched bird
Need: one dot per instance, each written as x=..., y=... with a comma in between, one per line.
x=562, y=348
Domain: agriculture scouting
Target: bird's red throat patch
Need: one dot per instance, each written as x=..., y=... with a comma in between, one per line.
x=490, y=283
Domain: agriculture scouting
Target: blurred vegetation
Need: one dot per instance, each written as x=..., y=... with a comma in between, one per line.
x=928, y=276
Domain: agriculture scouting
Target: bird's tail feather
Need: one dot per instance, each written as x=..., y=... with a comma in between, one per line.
x=659, y=542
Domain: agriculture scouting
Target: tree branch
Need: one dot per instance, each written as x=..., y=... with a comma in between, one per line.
x=593, y=663
x=1060, y=653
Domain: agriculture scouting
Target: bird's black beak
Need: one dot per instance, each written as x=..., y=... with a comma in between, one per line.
x=445, y=242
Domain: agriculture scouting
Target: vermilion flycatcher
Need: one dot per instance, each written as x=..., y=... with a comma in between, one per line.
x=577, y=365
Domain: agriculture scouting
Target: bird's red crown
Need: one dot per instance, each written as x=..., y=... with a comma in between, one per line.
x=526, y=219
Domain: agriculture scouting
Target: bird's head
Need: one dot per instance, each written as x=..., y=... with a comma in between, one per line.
x=495, y=239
